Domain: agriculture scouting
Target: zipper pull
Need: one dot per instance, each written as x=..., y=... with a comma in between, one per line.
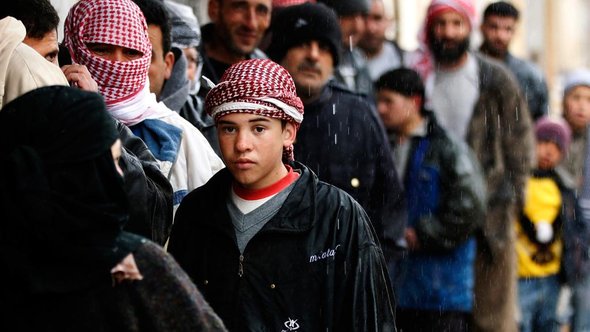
x=241, y=266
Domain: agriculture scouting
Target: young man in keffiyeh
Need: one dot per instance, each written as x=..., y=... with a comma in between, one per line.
x=111, y=39
x=270, y=246
x=480, y=102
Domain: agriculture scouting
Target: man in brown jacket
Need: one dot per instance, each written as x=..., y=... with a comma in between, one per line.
x=479, y=101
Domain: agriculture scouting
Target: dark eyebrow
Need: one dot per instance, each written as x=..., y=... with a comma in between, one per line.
x=257, y=119
x=260, y=119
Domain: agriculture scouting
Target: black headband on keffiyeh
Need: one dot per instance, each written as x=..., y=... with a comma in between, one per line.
x=61, y=199
x=257, y=86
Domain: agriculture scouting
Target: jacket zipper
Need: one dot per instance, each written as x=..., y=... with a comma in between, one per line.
x=241, y=266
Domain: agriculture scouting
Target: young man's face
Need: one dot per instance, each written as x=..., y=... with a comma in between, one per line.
x=576, y=107
x=252, y=147
x=311, y=65
x=448, y=37
x=548, y=155
x=46, y=46
x=161, y=65
x=375, y=25
x=395, y=109
x=240, y=23
x=497, y=34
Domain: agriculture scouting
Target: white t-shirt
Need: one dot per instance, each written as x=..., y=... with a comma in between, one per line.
x=454, y=95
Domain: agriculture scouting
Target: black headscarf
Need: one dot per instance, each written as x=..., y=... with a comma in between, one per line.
x=62, y=203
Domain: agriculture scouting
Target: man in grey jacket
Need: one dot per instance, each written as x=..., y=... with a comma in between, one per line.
x=498, y=27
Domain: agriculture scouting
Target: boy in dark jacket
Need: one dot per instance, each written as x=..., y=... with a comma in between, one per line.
x=549, y=205
x=446, y=202
x=270, y=246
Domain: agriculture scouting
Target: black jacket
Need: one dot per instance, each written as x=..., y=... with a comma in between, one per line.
x=343, y=142
x=315, y=264
x=148, y=190
x=452, y=168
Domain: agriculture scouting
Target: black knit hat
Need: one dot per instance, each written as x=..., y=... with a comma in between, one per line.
x=295, y=25
x=404, y=81
x=348, y=7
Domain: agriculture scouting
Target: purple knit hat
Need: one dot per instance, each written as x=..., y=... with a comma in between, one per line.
x=554, y=130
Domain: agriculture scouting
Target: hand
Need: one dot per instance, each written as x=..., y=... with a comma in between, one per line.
x=544, y=231
x=412, y=239
x=79, y=76
x=125, y=270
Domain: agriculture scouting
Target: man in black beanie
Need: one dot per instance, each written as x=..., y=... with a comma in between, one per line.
x=352, y=70
x=341, y=139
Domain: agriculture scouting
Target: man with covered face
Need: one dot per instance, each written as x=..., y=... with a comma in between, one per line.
x=479, y=101
x=111, y=39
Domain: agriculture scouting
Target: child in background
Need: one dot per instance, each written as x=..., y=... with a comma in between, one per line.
x=549, y=204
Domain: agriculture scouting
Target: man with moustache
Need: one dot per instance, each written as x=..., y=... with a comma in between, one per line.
x=498, y=27
x=479, y=101
x=235, y=31
x=342, y=139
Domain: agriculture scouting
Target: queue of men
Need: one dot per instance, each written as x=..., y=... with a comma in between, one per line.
x=301, y=171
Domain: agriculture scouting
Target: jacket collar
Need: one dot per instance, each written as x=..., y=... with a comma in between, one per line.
x=296, y=215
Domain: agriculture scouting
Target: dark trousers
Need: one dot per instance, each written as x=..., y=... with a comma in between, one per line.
x=411, y=320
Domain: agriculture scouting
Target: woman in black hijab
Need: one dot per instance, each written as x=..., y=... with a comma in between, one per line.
x=67, y=263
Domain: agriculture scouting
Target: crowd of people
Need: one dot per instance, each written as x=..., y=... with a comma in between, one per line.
x=286, y=167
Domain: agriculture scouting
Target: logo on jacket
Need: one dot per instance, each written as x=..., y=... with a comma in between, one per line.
x=291, y=325
x=323, y=255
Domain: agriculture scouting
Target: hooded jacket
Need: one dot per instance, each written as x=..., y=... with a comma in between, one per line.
x=22, y=69
x=316, y=265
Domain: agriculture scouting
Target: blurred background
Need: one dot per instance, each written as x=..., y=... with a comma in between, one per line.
x=554, y=34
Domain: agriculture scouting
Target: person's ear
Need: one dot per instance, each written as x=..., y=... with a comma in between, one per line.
x=417, y=101
x=169, y=61
x=289, y=134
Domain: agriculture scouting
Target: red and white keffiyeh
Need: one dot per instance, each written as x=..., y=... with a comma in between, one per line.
x=114, y=22
x=424, y=65
x=257, y=86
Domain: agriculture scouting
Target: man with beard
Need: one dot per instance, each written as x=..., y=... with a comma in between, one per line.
x=499, y=24
x=479, y=101
x=235, y=31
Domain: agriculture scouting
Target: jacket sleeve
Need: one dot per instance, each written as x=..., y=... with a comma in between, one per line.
x=148, y=191
x=462, y=206
x=372, y=296
x=516, y=135
x=388, y=202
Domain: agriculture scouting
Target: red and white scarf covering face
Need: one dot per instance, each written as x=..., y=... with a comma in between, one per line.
x=114, y=22
x=257, y=86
